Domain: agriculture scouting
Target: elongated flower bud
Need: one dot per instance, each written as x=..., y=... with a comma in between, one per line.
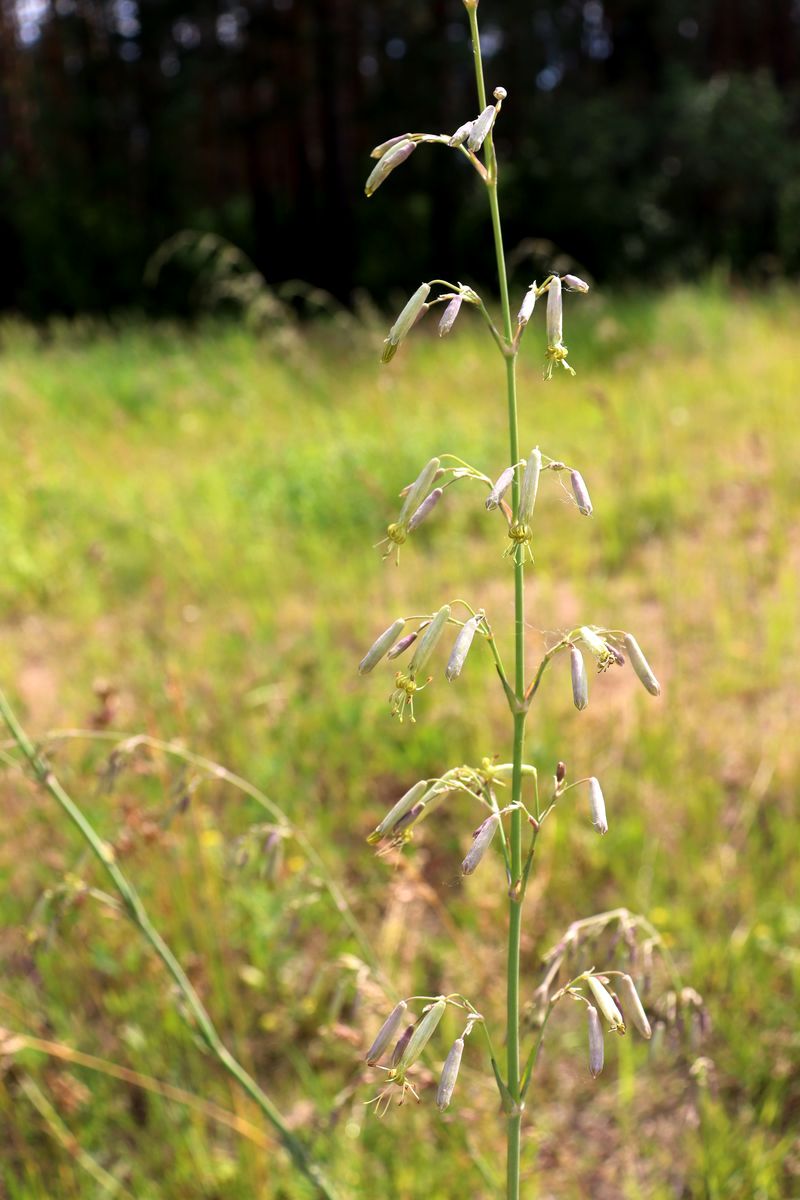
x=402, y=1044
x=580, y=684
x=555, y=329
x=386, y=1032
x=481, y=127
x=598, y=806
x=427, y=643
x=641, y=666
x=581, y=493
x=423, y=1032
x=398, y=648
x=530, y=486
x=633, y=1005
x=407, y=317
x=408, y=819
x=574, y=283
x=528, y=304
x=449, y=315
x=504, y=482
x=427, y=506
x=450, y=1069
x=596, y=644
x=403, y=805
x=379, y=151
x=380, y=647
x=596, y=1046
x=605, y=1002
x=561, y=772
x=418, y=490
x=480, y=843
x=461, y=647
x=461, y=134
x=394, y=156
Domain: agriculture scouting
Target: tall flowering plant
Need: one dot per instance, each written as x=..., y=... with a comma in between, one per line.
x=513, y=825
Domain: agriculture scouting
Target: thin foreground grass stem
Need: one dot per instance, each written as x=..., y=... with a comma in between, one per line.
x=138, y=915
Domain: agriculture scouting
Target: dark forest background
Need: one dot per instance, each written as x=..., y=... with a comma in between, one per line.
x=644, y=138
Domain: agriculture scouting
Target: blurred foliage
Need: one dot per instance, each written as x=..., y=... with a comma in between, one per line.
x=186, y=541
x=638, y=138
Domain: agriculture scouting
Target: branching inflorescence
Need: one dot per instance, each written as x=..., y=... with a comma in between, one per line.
x=513, y=805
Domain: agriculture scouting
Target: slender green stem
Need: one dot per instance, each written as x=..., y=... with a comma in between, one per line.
x=517, y=886
x=137, y=913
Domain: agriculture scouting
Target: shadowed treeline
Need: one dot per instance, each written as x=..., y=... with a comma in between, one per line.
x=637, y=135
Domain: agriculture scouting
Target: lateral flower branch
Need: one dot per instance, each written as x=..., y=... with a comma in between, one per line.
x=514, y=804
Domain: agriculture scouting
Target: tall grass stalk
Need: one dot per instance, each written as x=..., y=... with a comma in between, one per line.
x=475, y=141
x=137, y=913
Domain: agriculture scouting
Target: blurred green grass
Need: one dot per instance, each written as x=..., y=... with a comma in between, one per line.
x=187, y=519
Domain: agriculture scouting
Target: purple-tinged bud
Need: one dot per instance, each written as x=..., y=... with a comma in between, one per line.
x=481, y=841
x=379, y=151
x=581, y=493
x=528, y=304
x=418, y=490
x=423, y=1032
x=530, y=486
x=504, y=482
x=409, y=818
x=395, y=814
x=481, y=127
x=386, y=1032
x=641, y=666
x=561, y=772
x=580, y=684
x=380, y=647
x=555, y=328
x=461, y=134
x=393, y=157
x=633, y=1006
x=597, y=806
x=461, y=647
x=596, y=1046
x=273, y=857
x=427, y=643
x=427, y=506
x=399, y=647
x=402, y=1044
x=605, y=1003
x=449, y=315
x=450, y=1069
x=575, y=284
x=408, y=316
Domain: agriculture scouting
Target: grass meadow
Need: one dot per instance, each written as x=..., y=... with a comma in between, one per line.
x=187, y=523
